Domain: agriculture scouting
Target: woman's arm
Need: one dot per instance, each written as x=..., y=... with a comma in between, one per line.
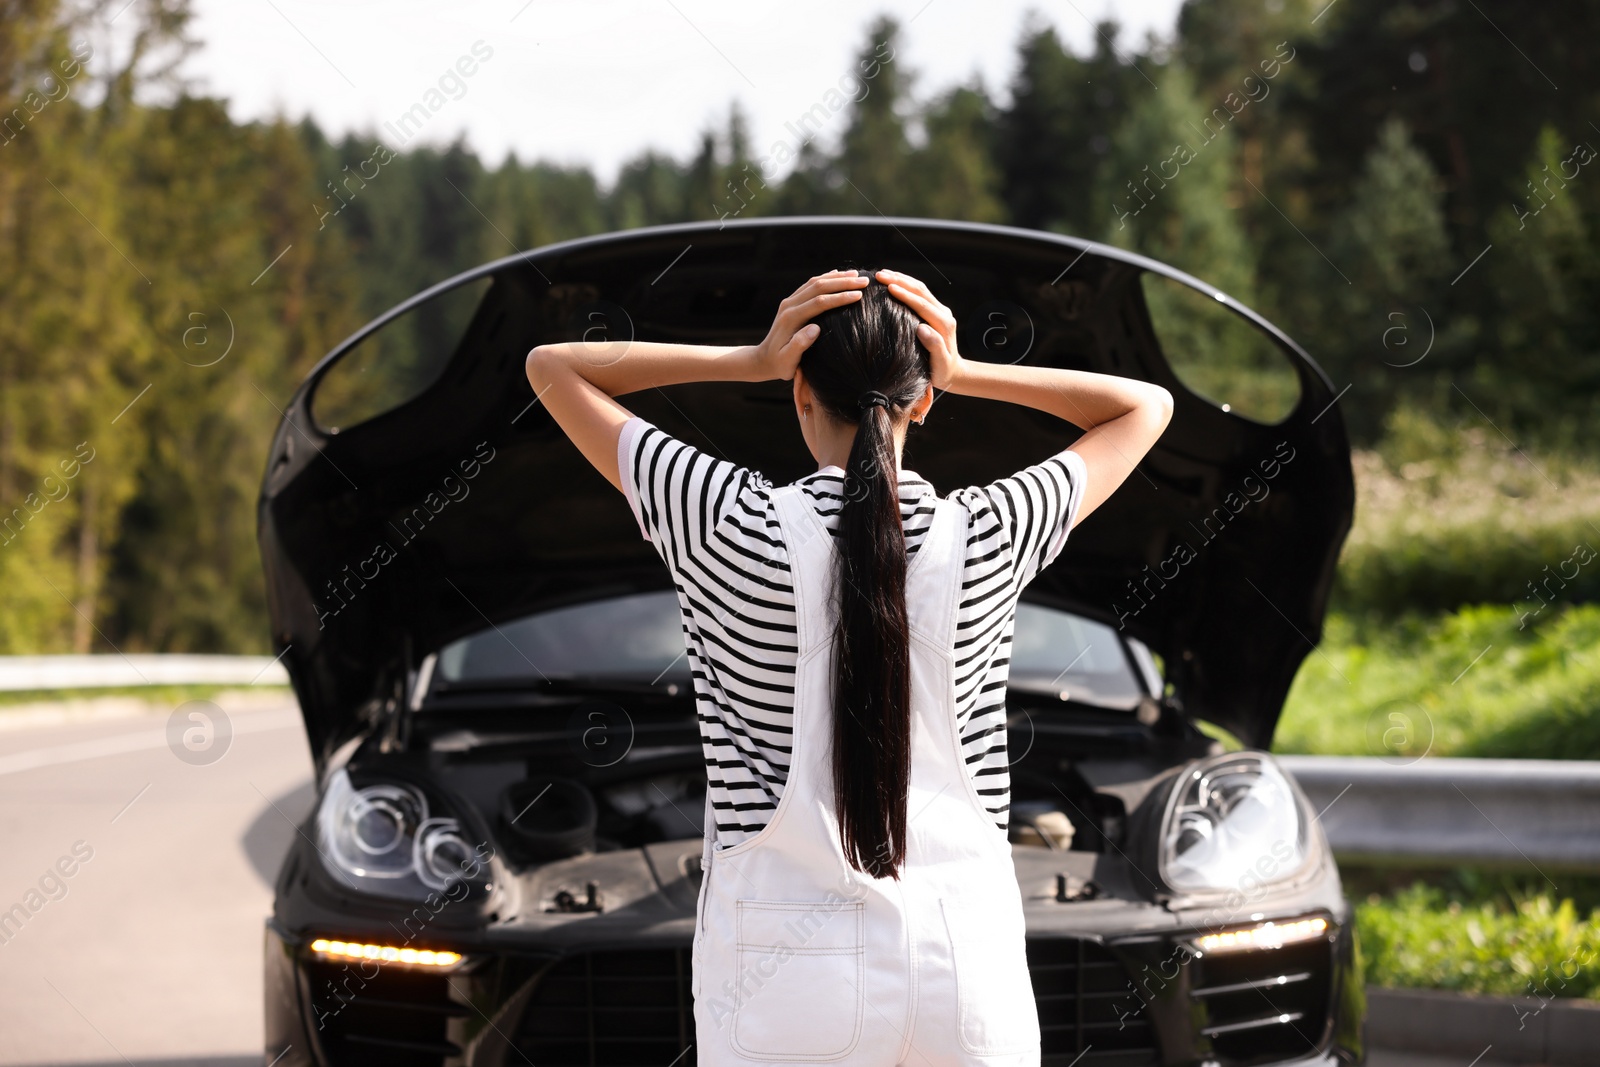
x=1121, y=417
x=576, y=380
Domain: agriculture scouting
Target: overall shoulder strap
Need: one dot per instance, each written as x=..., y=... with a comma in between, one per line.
x=810, y=549
x=933, y=583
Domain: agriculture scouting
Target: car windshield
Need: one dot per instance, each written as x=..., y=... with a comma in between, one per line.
x=1058, y=653
x=639, y=638
x=635, y=638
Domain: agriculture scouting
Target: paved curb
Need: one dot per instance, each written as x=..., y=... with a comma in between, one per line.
x=40, y=714
x=137, y=669
x=1561, y=1032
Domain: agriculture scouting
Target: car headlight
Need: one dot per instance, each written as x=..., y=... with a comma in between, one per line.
x=383, y=838
x=1233, y=823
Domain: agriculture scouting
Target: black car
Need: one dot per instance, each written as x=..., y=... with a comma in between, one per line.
x=503, y=863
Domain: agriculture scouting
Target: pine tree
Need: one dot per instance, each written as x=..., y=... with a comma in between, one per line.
x=1167, y=189
x=1372, y=328
x=1393, y=234
x=72, y=348
x=1051, y=144
x=953, y=175
x=874, y=152
x=1544, y=269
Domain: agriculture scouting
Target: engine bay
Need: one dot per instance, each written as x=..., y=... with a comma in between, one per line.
x=588, y=804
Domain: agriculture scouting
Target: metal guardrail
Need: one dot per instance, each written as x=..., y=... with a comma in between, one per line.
x=21, y=673
x=1438, y=812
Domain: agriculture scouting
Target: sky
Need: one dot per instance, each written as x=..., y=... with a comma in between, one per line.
x=596, y=82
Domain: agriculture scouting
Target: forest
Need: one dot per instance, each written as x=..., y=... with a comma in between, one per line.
x=1372, y=176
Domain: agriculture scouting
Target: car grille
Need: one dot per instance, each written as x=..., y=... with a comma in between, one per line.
x=396, y=1018
x=1078, y=985
x=1265, y=1005
x=634, y=1007
x=608, y=1009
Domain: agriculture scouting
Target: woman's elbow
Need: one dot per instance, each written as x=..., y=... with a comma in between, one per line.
x=1162, y=398
x=1156, y=405
x=540, y=361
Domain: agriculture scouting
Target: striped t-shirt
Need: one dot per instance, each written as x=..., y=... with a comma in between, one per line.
x=714, y=525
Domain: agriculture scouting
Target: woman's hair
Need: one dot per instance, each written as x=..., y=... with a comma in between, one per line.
x=867, y=367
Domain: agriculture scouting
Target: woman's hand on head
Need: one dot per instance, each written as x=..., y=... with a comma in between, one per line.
x=937, y=332
x=792, y=332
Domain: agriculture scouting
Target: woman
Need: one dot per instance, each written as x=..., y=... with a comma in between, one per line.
x=849, y=637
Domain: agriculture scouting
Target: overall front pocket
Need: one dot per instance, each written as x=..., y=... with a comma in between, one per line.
x=799, y=977
x=995, y=1010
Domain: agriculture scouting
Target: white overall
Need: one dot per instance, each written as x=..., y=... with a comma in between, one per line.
x=798, y=957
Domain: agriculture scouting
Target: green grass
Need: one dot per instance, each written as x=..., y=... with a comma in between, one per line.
x=1465, y=615
x=1452, y=516
x=1473, y=682
x=1475, y=934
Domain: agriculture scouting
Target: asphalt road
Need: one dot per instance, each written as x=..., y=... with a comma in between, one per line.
x=149, y=951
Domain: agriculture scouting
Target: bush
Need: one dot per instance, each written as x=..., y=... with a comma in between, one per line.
x=1419, y=938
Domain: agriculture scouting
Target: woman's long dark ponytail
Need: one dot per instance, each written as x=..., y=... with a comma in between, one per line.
x=867, y=367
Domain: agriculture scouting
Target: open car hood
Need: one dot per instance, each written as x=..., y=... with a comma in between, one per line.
x=416, y=493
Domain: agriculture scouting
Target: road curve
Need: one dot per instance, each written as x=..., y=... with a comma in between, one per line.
x=134, y=877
